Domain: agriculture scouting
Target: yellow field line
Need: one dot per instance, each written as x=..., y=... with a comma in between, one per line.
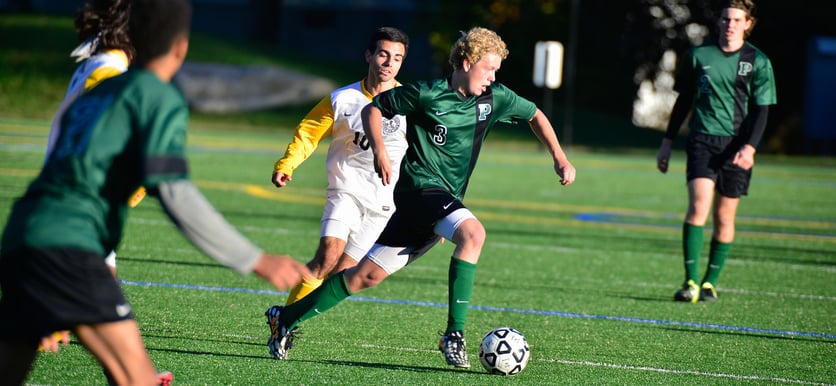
x=309, y=198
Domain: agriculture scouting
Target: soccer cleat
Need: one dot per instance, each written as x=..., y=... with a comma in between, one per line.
x=455, y=352
x=281, y=339
x=708, y=293
x=165, y=378
x=690, y=292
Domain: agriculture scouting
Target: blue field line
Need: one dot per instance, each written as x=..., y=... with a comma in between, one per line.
x=503, y=309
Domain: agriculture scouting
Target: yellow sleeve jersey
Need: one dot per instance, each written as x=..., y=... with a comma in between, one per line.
x=309, y=133
x=350, y=162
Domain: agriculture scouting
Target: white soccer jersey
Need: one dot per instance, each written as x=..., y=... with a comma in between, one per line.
x=350, y=161
x=88, y=74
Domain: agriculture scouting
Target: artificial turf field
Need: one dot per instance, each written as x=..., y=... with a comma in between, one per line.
x=586, y=272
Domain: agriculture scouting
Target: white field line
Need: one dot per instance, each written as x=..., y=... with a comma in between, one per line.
x=632, y=367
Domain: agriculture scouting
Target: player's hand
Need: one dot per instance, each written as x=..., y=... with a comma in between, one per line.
x=280, y=179
x=566, y=171
x=383, y=167
x=663, y=157
x=53, y=342
x=282, y=271
x=745, y=157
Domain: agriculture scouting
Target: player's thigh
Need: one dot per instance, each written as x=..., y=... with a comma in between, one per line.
x=118, y=345
x=361, y=240
x=341, y=215
x=448, y=226
x=391, y=259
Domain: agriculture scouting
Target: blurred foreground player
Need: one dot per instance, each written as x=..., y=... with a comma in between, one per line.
x=128, y=131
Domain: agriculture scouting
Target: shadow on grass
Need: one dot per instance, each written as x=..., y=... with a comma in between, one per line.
x=172, y=262
x=389, y=366
x=371, y=365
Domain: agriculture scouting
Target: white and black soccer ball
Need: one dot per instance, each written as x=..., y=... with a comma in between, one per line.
x=504, y=351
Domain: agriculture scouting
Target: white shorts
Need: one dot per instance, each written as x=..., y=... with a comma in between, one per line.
x=347, y=219
x=392, y=259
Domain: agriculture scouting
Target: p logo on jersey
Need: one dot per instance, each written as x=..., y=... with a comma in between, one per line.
x=744, y=68
x=484, y=111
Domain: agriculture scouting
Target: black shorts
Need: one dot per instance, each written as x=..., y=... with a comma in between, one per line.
x=47, y=290
x=415, y=216
x=711, y=156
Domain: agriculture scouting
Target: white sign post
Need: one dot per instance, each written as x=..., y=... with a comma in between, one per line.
x=548, y=64
x=548, y=70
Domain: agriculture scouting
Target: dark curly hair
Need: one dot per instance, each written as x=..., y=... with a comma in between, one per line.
x=107, y=19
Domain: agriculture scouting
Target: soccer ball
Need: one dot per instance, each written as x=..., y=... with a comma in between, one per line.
x=504, y=351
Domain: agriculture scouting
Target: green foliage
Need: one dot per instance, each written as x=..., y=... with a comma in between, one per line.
x=586, y=272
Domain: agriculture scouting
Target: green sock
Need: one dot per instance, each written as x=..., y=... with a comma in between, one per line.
x=332, y=291
x=716, y=259
x=461, y=277
x=692, y=240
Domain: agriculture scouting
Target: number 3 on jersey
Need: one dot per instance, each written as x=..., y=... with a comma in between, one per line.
x=440, y=135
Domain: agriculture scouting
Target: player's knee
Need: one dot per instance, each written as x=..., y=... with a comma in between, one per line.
x=371, y=279
x=360, y=279
x=471, y=234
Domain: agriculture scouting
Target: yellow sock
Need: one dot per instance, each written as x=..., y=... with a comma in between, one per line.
x=302, y=289
x=137, y=197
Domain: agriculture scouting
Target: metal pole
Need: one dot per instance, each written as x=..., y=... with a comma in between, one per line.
x=569, y=79
x=547, y=102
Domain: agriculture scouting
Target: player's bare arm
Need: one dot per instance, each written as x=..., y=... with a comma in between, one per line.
x=201, y=223
x=544, y=131
x=373, y=126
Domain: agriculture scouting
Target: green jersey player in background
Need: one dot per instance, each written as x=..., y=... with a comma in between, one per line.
x=730, y=86
x=447, y=121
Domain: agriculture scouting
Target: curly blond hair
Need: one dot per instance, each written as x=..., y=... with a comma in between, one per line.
x=475, y=44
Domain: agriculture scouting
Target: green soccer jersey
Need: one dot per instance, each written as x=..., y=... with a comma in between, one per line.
x=129, y=131
x=726, y=84
x=445, y=131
